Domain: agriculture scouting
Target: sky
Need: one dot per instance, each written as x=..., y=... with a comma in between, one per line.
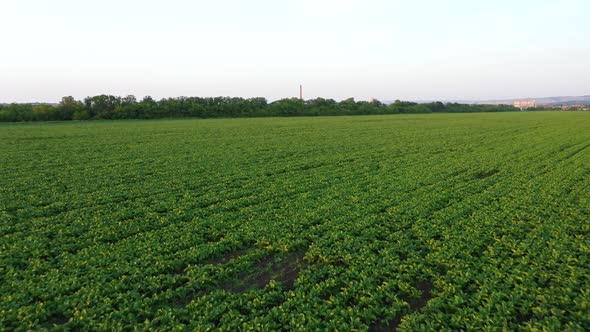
x=384, y=49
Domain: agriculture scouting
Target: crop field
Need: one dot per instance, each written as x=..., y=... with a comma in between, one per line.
x=406, y=222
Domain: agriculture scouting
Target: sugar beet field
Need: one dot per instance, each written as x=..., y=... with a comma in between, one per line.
x=407, y=222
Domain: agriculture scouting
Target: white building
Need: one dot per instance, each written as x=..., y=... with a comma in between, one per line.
x=524, y=104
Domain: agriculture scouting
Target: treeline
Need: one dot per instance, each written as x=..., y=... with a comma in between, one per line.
x=113, y=107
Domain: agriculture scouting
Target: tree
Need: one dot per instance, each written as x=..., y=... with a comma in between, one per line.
x=128, y=100
x=101, y=106
x=67, y=107
x=349, y=106
x=81, y=114
x=287, y=107
x=44, y=112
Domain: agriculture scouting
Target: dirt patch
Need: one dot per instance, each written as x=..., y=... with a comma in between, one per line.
x=226, y=257
x=391, y=326
x=485, y=174
x=262, y=274
x=425, y=288
x=289, y=270
x=56, y=319
x=283, y=269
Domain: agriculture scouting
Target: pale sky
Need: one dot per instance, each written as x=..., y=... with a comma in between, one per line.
x=404, y=49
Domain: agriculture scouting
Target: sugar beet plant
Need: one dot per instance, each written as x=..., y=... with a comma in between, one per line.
x=408, y=222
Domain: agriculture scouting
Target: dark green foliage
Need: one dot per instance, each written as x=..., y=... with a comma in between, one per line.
x=112, y=107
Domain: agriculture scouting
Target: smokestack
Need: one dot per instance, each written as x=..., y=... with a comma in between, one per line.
x=300, y=91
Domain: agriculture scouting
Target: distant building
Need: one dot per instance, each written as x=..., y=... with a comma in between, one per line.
x=524, y=104
x=574, y=107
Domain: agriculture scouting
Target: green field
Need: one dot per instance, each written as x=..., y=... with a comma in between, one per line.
x=414, y=222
